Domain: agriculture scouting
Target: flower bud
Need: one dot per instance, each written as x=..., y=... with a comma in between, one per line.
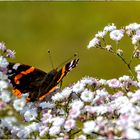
x=120, y=52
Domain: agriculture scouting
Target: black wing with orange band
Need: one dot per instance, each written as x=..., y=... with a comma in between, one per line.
x=39, y=84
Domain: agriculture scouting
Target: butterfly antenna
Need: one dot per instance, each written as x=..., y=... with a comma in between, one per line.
x=50, y=58
x=72, y=57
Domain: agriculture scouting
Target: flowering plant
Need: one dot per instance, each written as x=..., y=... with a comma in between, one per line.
x=90, y=108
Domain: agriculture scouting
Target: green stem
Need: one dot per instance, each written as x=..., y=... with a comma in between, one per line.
x=125, y=62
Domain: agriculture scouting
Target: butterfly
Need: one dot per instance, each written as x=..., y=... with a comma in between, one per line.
x=39, y=84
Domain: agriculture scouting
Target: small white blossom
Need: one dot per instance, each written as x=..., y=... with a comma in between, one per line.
x=30, y=115
x=5, y=96
x=8, y=122
x=88, y=81
x=74, y=113
x=3, y=62
x=114, y=83
x=3, y=76
x=57, y=97
x=54, y=130
x=108, y=47
x=116, y=35
x=132, y=133
x=89, y=127
x=87, y=95
x=58, y=121
x=135, y=39
x=47, y=118
x=66, y=92
x=93, y=43
x=125, y=78
x=100, y=34
x=19, y=104
x=69, y=124
x=2, y=46
x=42, y=130
x=132, y=26
x=103, y=82
x=137, y=68
x=3, y=84
x=77, y=103
x=110, y=28
x=44, y=105
x=78, y=87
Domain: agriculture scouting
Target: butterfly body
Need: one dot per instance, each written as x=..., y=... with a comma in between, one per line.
x=39, y=84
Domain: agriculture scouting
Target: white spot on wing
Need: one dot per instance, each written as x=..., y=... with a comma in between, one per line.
x=16, y=66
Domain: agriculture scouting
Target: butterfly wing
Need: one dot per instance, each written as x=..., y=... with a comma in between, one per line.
x=57, y=77
x=37, y=83
x=24, y=78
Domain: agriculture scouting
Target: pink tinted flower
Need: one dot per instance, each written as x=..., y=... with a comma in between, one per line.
x=54, y=130
x=114, y=83
x=74, y=113
x=43, y=130
x=2, y=47
x=69, y=124
x=10, y=53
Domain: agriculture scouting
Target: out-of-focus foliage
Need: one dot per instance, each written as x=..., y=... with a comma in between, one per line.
x=31, y=28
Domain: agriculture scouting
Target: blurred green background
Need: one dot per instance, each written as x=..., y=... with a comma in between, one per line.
x=31, y=28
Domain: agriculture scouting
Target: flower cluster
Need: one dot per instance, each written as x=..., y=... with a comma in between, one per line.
x=91, y=108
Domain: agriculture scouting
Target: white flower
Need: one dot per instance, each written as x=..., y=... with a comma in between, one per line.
x=3, y=76
x=74, y=113
x=93, y=43
x=87, y=95
x=33, y=126
x=58, y=121
x=114, y=83
x=24, y=132
x=100, y=34
x=78, y=87
x=19, y=104
x=108, y=47
x=3, y=62
x=47, y=118
x=137, y=68
x=132, y=26
x=77, y=104
x=89, y=127
x=54, y=130
x=44, y=105
x=8, y=122
x=5, y=96
x=103, y=82
x=132, y=133
x=42, y=130
x=57, y=97
x=66, y=92
x=116, y=35
x=63, y=95
x=88, y=81
x=110, y=28
x=101, y=92
x=135, y=39
x=81, y=137
x=125, y=78
x=30, y=115
x=69, y=124
x=119, y=102
x=3, y=84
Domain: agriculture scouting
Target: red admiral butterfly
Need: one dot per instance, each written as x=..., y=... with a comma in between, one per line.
x=36, y=82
